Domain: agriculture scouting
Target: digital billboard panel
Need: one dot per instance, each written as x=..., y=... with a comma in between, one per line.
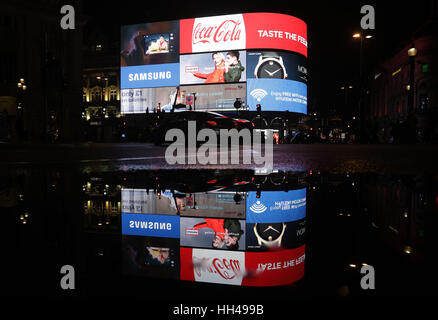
x=276, y=65
x=274, y=268
x=276, y=206
x=152, y=225
x=214, y=205
x=212, y=266
x=149, y=76
x=212, y=50
x=150, y=256
x=216, y=67
x=277, y=95
x=227, y=234
x=149, y=202
x=149, y=43
x=215, y=97
x=275, y=235
x=243, y=31
x=142, y=99
x=258, y=269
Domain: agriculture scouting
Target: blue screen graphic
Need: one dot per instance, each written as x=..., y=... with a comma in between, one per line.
x=277, y=95
x=153, y=225
x=150, y=76
x=276, y=206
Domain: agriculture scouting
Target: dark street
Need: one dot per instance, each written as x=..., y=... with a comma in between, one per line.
x=302, y=157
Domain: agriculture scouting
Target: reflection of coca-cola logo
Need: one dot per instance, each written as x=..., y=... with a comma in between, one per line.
x=226, y=268
x=228, y=30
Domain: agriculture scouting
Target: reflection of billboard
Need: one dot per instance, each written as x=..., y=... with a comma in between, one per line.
x=244, y=31
x=214, y=204
x=276, y=206
x=271, y=235
x=152, y=225
x=277, y=95
x=149, y=256
x=216, y=67
x=216, y=97
x=276, y=65
x=274, y=268
x=140, y=43
x=150, y=202
x=228, y=234
x=212, y=266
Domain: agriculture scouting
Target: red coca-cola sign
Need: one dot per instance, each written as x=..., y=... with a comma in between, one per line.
x=226, y=268
x=243, y=31
x=228, y=30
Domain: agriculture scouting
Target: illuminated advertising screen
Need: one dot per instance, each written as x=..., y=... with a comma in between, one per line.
x=149, y=43
x=260, y=269
x=150, y=256
x=275, y=235
x=216, y=97
x=216, y=67
x=152, y=225
x=149, y=202
x=214, y=205
x=150, y=76
x=274, y=268
x=246, y=55
x=139, y=100
x=277, y=95
x=276, y=65
x=276, y=206
x=212, y=266
x=244, y=31
x=227, y=234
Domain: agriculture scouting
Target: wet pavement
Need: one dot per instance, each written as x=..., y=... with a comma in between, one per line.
x=400, y=159
x=229, y=234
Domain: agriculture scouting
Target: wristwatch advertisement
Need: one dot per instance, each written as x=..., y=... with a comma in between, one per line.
x=271, y=67
x=266, y=236
x=276, y=65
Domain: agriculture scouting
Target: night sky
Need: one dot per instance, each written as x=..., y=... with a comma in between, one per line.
x=333, y=54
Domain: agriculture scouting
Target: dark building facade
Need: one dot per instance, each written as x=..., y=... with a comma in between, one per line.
x=403, y=91
x=40, y=87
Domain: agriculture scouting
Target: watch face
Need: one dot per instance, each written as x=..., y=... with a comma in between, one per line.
x=269, y=231
x=270, y=69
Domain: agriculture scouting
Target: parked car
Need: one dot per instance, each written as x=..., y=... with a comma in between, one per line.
x=204, y=120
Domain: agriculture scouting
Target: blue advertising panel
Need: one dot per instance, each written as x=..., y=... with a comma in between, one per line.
x=153, y=225
x=276, y=206
x=150, y=76
x=277, y=95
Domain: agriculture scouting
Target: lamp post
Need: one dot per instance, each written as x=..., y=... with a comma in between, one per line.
x=21, y=88
x=360, y=36
x=412, y=52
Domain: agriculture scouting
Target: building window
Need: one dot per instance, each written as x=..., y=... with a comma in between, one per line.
x=113, y=94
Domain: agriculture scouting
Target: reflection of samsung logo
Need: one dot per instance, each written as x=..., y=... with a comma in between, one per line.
x=163, y=75
x=150, y=225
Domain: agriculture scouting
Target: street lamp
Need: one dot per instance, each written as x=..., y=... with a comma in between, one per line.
x=412, y=52
x=358, y=35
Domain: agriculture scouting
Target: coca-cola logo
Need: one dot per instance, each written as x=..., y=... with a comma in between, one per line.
x=226, y=268
x=228, y=30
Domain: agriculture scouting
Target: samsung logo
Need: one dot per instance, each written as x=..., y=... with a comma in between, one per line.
x=150, y=225
x=162, y=75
